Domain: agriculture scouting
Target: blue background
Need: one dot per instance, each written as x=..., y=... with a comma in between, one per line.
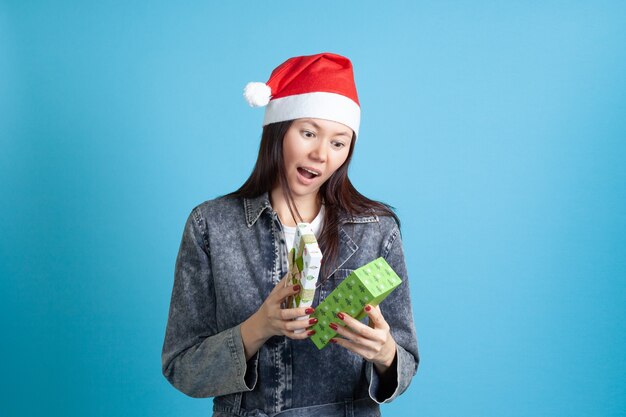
x=497, y=129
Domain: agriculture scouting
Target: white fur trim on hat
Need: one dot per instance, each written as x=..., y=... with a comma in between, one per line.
x=257, y=94
x=319, y=105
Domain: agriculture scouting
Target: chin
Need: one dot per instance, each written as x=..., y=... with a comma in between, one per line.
x=299, y=191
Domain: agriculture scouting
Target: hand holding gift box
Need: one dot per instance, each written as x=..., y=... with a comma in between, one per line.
x=305, y=261
x=370, y=284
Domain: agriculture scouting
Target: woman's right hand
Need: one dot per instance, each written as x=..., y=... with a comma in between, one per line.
x=273, y=320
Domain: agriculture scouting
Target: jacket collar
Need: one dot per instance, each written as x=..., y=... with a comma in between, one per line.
x=254, y=207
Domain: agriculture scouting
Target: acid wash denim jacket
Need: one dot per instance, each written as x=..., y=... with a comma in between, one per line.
x=231, y=256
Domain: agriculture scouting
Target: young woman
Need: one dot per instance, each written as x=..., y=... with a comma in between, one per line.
x=227, y=336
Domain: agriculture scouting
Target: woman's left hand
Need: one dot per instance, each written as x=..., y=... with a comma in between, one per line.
x=374, y=342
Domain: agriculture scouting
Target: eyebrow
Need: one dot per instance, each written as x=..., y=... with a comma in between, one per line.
x=315, y=125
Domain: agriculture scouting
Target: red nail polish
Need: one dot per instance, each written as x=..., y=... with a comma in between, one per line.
x=309, y=310
x=333, y=326
x=340, y=315
x=313, y=321
x=311, y=333
x=368, y=308
x=332, y=341
x=296, y=288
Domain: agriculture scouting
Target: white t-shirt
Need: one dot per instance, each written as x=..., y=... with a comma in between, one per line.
x=316, y=224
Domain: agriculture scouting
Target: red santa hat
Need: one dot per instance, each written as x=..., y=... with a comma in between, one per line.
x=319, y=86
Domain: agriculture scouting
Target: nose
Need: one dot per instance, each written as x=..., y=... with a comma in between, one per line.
x=319, y=151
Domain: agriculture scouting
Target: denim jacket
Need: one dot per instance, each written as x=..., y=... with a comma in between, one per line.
x=231, y=256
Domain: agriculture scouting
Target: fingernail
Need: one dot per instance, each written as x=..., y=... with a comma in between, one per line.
x=309, y=310
x=313, y=321
x=333, y=326
x=340, y=315
x=311, y=333
x=296, y=288
x=368, y=308
x=332, y=341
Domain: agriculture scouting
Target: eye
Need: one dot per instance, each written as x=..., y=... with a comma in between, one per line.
x=308, y=134
x=338, y=144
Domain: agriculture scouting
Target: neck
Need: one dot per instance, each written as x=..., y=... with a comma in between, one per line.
x=308, y=207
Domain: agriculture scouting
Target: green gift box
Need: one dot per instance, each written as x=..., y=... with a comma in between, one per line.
x=370, y=284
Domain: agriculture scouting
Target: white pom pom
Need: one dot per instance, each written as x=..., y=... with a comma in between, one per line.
x=257, y=94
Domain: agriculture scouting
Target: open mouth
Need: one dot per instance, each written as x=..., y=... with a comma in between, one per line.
x=308, y=173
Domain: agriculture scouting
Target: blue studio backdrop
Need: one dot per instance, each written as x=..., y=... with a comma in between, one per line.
x=497, y=130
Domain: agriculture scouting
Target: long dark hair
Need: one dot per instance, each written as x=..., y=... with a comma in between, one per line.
x=338, y=193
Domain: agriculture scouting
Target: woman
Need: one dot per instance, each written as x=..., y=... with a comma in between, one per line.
x=227, y=336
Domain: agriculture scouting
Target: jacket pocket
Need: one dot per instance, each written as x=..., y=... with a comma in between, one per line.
x=332, y=282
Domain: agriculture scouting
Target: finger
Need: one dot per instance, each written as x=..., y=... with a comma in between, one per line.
x=374, y=344
x=299, y=336
x=283, y=288
x=284, y=281
x=376, y=319
x=359, y=328
x=299, y=324
x=362, y=351
x=293, y=313
x=281, y=293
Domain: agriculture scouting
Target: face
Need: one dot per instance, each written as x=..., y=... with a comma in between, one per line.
x=313, y=149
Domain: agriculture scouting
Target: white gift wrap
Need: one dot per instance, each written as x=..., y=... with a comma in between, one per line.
x=306, y=245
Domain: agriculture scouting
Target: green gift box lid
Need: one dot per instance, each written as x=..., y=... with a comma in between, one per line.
x=370, y=284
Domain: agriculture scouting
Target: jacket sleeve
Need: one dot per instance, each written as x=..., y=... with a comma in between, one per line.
x=397, y=311
x=197, y=359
